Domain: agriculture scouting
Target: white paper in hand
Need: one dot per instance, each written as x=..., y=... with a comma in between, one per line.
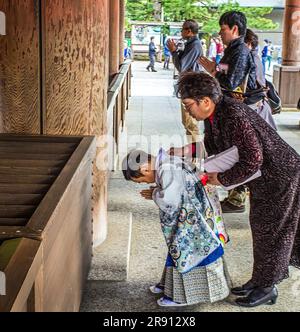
x=225, y=161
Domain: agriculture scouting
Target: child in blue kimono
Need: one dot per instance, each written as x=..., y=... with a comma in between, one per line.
x=195, y=271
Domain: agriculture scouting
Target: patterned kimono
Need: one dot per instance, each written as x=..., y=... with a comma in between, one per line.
x=274, y=197
x=194, y=270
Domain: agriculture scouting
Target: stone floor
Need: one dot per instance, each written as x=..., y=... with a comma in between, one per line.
x=154, y=111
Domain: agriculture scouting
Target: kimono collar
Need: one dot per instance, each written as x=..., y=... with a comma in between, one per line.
x=162, y=155
x=236, y=42
x=211, y=118
x=191, y=39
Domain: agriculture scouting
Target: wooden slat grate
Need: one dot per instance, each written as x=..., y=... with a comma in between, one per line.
x=28, y=168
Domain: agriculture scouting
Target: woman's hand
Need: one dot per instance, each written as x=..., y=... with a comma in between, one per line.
x=213, y=179
x=209, y=66
x=147, y=193
x=185, y=151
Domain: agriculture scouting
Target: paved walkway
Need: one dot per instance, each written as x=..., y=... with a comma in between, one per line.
x=152, y=111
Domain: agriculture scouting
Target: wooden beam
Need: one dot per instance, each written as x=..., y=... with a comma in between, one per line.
x=114, y=37
x=291, y=34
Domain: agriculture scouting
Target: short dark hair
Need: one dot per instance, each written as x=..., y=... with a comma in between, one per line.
x=131, y=165
x=152, y=38
x=198, y=86
x=233, y=18
x=251, y=38
x=192, y=25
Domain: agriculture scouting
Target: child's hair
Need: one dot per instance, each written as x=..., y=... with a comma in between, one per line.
x=131, y=166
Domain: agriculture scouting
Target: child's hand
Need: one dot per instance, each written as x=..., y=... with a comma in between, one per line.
x=147, y=193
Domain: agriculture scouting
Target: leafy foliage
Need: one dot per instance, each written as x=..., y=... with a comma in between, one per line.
x=207, y=15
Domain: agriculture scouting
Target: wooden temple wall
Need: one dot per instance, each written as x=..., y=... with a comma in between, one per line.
x=54, y=75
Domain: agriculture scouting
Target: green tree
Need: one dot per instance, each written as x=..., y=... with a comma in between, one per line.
x=207, y=15
x=139, y=10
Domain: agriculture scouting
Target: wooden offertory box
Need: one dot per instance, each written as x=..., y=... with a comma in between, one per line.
x=45, y=221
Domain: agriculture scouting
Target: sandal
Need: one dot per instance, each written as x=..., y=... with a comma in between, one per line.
x=157, y=289
x=167, y=302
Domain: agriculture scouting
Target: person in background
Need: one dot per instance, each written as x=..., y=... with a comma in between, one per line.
x=152, y=55
x=279, y=56
x=167, y=56
x=236, y=72
x=187, y=60
x=127, y=51
x=212, y=52
x=262, y=106
x=204, y=47
x=264, y=55
x=270, y=54
x=220, y=50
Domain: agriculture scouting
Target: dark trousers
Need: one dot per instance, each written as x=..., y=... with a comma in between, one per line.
x=152, y=62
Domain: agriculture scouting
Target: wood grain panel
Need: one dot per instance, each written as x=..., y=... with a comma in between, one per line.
x=24, y=188
x=17, y=199
x=32, y=156
x=29, y=170
x=13, y=221
x=27, y=179
x=76, y=59
x=16, y=211
x=76, y=69
x=31, y=163
x=34, y=147
x=19, y=68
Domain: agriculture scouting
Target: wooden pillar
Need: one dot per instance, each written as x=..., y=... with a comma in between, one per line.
x=291, y=34
x=287, y=76
x=114, y=37
x=19, y=68
x=76, y=43
x=122, y=30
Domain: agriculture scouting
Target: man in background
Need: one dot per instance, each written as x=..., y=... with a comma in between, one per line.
x=152, y=55
x=236, y=72
x=186, y=60
x=264, y=55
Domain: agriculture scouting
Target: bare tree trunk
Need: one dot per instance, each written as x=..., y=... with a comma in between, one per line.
x=157, y=5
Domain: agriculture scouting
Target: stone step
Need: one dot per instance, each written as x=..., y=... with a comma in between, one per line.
x=111, y=259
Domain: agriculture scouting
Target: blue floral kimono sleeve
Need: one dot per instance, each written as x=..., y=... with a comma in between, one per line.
x=183, y=207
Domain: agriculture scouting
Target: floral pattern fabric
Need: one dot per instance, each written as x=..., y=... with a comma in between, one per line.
x=187, y=217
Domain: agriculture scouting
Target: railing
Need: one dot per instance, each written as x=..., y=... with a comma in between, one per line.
x=118, y=98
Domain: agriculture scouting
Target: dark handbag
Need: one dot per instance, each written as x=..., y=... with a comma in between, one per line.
x=273, y=98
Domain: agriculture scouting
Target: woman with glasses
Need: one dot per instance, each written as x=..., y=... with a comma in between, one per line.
x=274, y=197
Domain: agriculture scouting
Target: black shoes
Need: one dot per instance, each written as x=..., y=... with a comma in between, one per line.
x=152, y=69
x=230, y=208
x=258, y=297
x=243, y=290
